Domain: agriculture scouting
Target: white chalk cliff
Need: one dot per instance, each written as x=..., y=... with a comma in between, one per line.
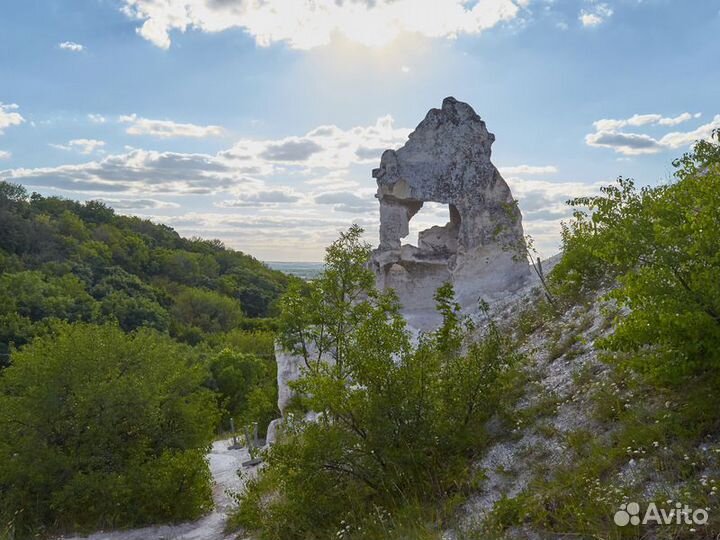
x=447, y=160
x=480, y=250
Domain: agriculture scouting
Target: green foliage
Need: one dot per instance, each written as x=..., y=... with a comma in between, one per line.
x=30, y=300
x=247, y=384
x=399, y=422
x=101, y=429
x=658, y=250
x=257, y=342
x=138, y=273
x=662, y=246
x=206, y=311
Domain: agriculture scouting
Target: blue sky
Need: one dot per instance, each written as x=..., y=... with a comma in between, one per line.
x=259, y=122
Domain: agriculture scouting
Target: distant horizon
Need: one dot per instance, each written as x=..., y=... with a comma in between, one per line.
x=291, y=262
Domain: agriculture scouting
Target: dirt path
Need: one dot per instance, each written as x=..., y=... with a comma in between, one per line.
x=224, y=465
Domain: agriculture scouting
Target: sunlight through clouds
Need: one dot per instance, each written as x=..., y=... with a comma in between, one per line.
x=305, y=24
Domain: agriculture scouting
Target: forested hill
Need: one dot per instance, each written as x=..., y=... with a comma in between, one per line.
x=61, y=259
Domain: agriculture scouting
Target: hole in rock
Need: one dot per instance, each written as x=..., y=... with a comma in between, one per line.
x=433, y=214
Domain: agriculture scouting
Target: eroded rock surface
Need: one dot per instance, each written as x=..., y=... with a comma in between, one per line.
x=447, y=160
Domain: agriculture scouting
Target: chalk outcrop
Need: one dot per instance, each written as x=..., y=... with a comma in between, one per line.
x=447, y=160
x=481, y=248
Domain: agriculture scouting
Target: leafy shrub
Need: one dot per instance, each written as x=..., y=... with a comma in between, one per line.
x=103, y=429
x=399, y=423
x=662, y=246
x=247, y=385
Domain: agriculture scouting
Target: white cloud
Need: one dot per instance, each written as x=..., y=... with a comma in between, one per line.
x=595, y=15
x=282, y=196
x=9, y=116
x=678, y=139
x=679, y=119
x=608, y=135
x=348, y=202
x=4, y=154
x=84, y=146
x=324, y=152
x=305, y=24
x=325, y=147
x=528, y=169
x=251, y=181
x=544, y=206
x=262, y=198
x=139, y=172
x=636, y=120
x=629, y=144
x=71, y=46
x=96, y=118
x=138, y=204
x=167, y=128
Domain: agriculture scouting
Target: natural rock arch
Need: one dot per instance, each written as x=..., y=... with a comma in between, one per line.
x=447, y=160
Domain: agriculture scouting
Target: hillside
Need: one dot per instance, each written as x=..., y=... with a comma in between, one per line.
x=61, y=259
x=581, y=405
x=125, y=350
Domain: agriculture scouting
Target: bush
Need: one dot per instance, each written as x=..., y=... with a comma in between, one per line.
x=399, y=424
x=247, y=386
x=662, y=246
x=206, y=311
x=103, y=429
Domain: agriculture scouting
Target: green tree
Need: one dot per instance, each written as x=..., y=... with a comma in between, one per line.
x=661, y=245
x=247, y=386
x=30, y=299
x=133, y=312
x=398, y=422
x=103, y=429
x=206, y=310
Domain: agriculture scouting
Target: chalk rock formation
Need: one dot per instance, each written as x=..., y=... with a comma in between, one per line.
x=447, y=160
x=480, y=250
x=288, y=370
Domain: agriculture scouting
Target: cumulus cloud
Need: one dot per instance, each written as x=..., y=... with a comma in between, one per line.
x=139, y=172
x=97, y=118
x=608, y=135
x=138, y=204
x=167, y=128
x=84, y=146
x=306, y=24
x=325, y=147
x=629, y=144
x=294, y=149
x=595, y=15
x=71, y=46
x=251, y=205
x=9, y=116
x=543, y=204
x=4, y=154
x=636, y=120
x=324, y=152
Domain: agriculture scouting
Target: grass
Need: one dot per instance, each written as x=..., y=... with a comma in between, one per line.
x=654, y=437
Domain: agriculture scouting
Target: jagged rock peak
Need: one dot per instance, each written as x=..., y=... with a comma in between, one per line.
x=447, y=160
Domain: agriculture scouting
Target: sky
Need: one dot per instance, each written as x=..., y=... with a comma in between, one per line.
x=259, y=122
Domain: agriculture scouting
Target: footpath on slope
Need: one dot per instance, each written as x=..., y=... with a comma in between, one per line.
x=224, y=465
